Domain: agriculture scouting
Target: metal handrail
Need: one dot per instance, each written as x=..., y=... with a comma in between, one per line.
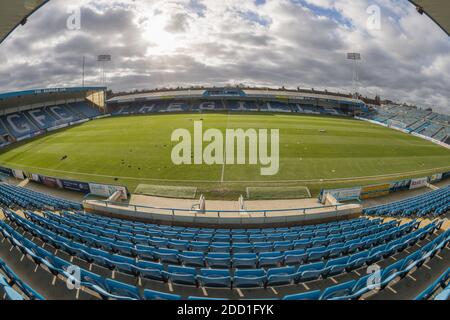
x=173, y=211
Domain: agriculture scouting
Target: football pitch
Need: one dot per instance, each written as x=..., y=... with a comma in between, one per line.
x=315, y=152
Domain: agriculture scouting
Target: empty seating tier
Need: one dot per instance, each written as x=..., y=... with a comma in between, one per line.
x=12, y=196
x=435, y=203
x=121, y=269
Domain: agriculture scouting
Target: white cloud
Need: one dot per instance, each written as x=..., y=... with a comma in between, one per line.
x=158, y=43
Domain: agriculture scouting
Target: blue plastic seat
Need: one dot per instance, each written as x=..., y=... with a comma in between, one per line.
x=317, y=254
x=242, y=248
x=270, y=259
x=280, y=276
x=167, y=256
x=295, y=257
x=341, y=289
x=391, y=272
x=150, y=270
x=309, y=272
x=123, y=290
x=245, y=260
x=249, y=278
x=214, y=278
x=12, y=294
x=444, y=295
x=192, y=258
x=223, y=247
x=156, y=295
x=204, y=298
x=181, y=275
x=218, y=260
x=310, y=295
x=336, y=266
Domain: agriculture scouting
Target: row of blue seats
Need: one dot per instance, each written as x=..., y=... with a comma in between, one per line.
x=27, y=198
x=220, y=243
x=106, y=288
x=277, y=234
x=212, y=105
x=111, y=289
x=223, y=278
x=355, y=289
x=226, y=260
x=442, y=283
x=19, y=125
x=85, y=110
x=436, y=202
x=9, y=280
x=245, y=106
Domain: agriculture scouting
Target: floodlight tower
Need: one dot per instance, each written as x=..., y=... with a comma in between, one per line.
x=102, y=59
x=355, y=57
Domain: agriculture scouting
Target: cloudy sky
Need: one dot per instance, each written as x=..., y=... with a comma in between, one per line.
x=156, y=43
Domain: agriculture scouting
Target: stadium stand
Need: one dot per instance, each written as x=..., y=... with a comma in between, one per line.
x=84, y=110
x=31, y=122
x=192, y=279
x=424, y=122
x=435, y=203
x=16, y=196
x=28, y=113
x=126, y=260
x=21, y=125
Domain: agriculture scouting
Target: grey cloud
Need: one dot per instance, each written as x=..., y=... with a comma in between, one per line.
x=297, y=48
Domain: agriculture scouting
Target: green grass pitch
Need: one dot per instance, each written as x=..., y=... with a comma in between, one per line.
x=133, y=150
